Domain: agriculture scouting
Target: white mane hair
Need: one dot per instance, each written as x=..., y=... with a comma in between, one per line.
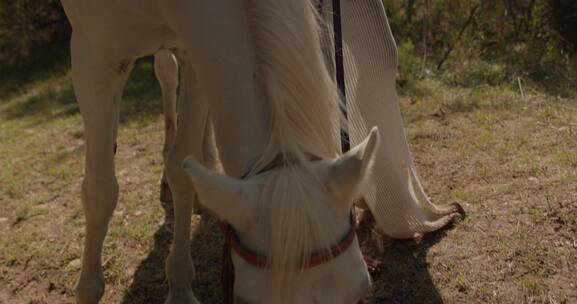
x=304, y=119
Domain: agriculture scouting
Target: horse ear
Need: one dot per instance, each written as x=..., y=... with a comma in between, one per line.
x=223, y=195
x=349, y=172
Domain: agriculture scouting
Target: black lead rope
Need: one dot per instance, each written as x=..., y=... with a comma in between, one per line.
x=339, y=67
x=340, y=71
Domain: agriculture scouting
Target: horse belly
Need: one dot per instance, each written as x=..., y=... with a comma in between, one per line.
x=120, y=29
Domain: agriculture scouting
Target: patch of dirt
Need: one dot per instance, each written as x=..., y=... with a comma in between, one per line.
x=514, y=171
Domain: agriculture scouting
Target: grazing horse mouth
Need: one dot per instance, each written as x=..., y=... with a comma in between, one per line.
x=232, y=242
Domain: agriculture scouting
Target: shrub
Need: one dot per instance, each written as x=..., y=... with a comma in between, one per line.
x=25, y=24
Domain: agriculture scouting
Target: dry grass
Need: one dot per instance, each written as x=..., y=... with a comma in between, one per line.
x=511, y=162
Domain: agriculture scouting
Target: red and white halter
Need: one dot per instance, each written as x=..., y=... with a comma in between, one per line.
x=232, y=242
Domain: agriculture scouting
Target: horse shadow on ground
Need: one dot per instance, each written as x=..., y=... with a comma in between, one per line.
x=150, y=285
x=404, y=277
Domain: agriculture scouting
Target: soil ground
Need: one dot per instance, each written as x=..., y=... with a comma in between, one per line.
x=511, y=161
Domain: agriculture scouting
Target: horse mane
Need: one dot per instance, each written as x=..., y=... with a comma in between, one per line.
x=303, y=103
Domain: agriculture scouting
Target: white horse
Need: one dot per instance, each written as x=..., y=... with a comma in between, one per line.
x=254, y=70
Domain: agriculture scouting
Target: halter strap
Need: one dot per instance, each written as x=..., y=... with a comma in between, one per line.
x=316, y=259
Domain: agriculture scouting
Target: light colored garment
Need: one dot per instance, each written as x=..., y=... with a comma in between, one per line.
x=396, y=198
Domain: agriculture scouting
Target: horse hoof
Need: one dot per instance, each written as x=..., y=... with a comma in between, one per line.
x=90, y=291
x=165, y=193
x=459, y=209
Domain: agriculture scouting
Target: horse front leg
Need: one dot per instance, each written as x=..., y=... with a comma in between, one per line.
x=166, y=71
x=98, y=85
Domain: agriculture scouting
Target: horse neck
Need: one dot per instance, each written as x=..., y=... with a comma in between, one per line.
x=285, y=103
x=241, y=133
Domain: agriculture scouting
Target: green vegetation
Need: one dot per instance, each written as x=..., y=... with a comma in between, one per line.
x=465, y=43
x=25, y=25
x=517, y=43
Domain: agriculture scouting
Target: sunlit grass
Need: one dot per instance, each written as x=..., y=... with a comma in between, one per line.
x=510, y=160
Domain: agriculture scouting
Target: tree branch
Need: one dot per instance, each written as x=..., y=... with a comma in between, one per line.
x=465, y=26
